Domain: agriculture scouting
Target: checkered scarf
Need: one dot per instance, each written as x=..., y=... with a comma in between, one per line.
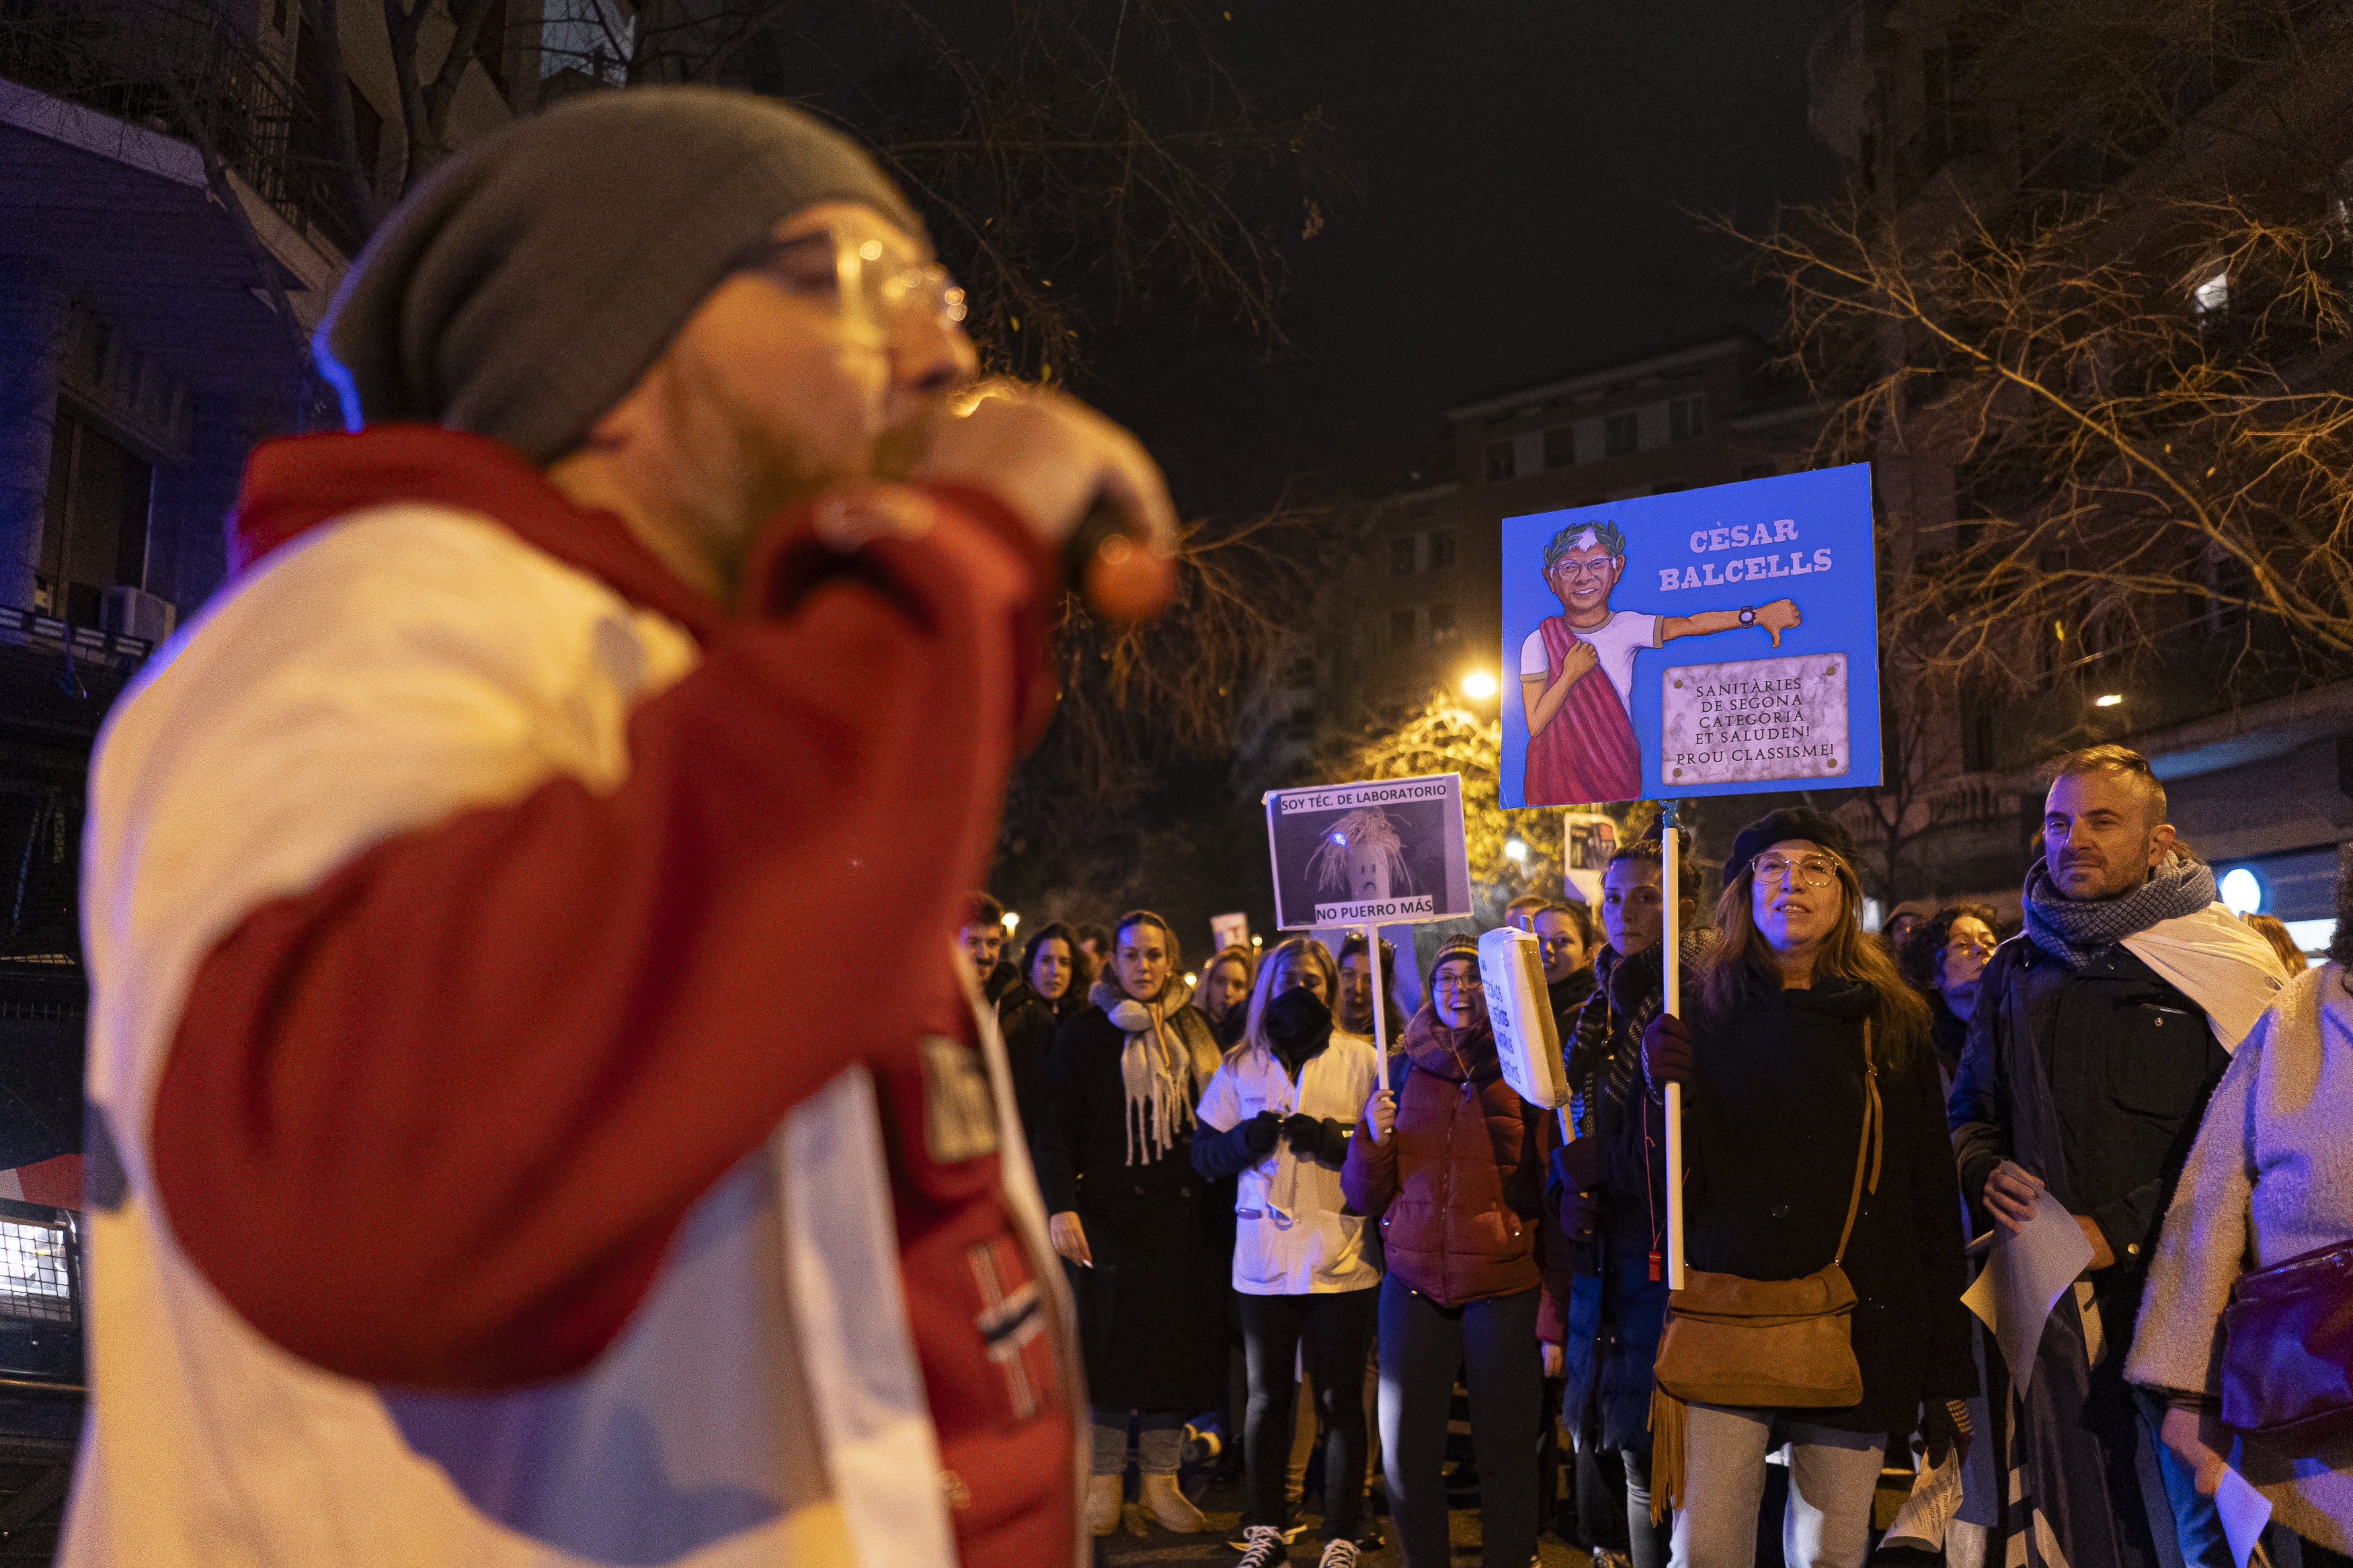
x=2077, y=928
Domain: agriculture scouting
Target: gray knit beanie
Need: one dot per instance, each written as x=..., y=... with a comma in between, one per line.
x=528, y=283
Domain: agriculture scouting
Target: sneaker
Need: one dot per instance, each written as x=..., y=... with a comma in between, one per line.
x=1338, y=1554
x=1262, y=1547
x=1291, y=1527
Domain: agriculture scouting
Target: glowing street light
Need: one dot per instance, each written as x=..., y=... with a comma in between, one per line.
x=1012, y=919
x=1516, y=850
x=2110, y=701
x=1479, y=685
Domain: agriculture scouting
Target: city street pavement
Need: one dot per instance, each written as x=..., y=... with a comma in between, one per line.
x=1140, y=1540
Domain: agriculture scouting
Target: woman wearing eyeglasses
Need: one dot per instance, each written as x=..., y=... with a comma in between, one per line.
x=1453, y=1164
x=1945, y=956
x=1798, y=1019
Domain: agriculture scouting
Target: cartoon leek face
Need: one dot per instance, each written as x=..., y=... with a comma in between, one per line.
x=1362, y=857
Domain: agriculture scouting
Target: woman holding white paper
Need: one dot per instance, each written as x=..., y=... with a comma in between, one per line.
x=2270, y=1175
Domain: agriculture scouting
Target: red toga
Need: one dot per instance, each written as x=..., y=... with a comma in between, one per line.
x=1587, y=752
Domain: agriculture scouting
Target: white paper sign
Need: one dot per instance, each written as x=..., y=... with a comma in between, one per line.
x=1757, y=718
x=1374, y=851
x=2244, y=1512
x=1527, y=1040
x=1935, y=1499
x=2022, y=1279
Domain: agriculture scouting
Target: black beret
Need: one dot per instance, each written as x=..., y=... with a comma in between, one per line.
x=1795, y=821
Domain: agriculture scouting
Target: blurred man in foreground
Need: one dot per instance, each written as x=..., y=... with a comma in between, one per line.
x=478, y=1178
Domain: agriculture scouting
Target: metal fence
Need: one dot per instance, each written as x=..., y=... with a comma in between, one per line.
x=125, y=60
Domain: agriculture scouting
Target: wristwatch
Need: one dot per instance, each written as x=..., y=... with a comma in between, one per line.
x=1747, y=615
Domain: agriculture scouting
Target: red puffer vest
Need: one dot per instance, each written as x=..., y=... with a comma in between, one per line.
x=1459, y=1187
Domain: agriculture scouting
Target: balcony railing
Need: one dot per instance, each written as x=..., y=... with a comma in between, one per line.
x=124, y=60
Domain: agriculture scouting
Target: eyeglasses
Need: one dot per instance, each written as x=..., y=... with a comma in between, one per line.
x=1813, y=870
x=1597, y=570
x=860, y=277
x=1447, y=982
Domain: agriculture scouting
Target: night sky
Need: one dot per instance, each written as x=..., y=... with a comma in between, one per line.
x=1519, y=170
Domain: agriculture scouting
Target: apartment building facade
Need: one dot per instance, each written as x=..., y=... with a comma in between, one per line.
x=1412, y=602
x=1958, y=113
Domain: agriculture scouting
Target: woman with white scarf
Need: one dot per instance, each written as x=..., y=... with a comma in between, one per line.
x=1129, y=1215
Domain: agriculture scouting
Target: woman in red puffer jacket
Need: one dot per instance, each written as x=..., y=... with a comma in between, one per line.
x=1453, y=1164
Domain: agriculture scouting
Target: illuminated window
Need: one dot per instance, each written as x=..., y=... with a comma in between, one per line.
x=34, y=1281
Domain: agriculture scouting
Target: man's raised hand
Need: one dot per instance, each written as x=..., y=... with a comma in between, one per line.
x=1053, y=459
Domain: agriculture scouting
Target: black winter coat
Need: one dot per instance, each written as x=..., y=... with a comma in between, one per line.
x=1772, y=1122
x=1615, y=1307
x=2095, y=1081
x=1028, y=1024
x=1152, y=1311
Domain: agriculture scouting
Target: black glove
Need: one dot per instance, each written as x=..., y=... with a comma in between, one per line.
x=1261, y=1132
x=1666, y=1054
x=1944, y=1427
x=1573, y=1171
x=1307, y=1134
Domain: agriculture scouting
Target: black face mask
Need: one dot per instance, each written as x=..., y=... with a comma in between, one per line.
x=1296, y=1023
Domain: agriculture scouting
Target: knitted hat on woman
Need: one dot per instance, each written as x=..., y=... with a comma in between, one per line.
x=526, y=285
x=1456, y=947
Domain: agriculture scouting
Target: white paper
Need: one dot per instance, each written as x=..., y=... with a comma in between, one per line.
x=2022, y=1279
x=1935, y=1498
x=2244, y=1512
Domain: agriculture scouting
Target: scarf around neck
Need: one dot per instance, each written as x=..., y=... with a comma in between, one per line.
x=1168, y=1057
x=2077, y=928
x=1457, y=1054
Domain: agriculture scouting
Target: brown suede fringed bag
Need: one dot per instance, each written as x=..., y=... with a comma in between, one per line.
x=1768, y=1342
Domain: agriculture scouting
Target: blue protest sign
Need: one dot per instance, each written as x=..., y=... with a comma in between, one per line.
x=1718, y=641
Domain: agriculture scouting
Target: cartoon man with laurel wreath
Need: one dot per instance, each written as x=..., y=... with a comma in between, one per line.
x=1576, y=669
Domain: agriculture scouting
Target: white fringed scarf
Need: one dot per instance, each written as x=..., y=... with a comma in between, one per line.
x=1165, y=1063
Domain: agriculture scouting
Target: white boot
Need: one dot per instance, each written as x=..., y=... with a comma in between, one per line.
x=1171, y=1507
x=1102, y=1505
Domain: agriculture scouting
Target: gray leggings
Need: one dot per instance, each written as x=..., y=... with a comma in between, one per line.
x=1832, y=1475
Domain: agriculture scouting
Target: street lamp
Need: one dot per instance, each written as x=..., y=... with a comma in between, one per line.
x=1479, y=685
x=2110, y=701
x=1012, y=919
x=1516, y=850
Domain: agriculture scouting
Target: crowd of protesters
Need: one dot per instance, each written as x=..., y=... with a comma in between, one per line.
x=1233, y=1172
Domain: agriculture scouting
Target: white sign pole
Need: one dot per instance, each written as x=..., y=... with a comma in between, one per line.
x=1380, y=1006
x=1670, y=895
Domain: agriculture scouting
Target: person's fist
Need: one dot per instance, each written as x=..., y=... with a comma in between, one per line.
x=1260, y=1132
x=1666, y=1054
x=1056, y=462
x=1944, y=1427
x=1305, y=1133
x=1380, y=1114
x=2009, y=1190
